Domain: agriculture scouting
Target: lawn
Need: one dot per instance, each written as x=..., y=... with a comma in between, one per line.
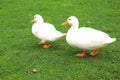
x=21, y=58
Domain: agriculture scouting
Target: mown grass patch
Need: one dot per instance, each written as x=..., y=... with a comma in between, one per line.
x=20, y=53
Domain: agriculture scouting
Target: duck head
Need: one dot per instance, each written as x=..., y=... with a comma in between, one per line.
x=72, y=20
x=37, y=18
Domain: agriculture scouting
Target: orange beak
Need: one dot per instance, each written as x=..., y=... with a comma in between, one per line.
x=65, y=23
x=33, y=20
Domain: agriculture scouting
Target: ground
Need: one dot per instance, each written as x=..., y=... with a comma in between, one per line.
x=21, y=58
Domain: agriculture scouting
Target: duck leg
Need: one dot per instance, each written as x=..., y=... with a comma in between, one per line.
x=81, y=54
x=41, y=43
x=46, y=46
x=94, y=53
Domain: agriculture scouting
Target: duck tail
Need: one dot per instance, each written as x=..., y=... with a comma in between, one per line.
x=111, y=40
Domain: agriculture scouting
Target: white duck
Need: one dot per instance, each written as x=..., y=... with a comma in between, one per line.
x=86, y=38
x=45, y=31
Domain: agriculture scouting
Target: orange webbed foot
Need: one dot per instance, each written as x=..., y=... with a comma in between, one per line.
x=94, y=53
x=47, y=46
x=83, y=54
x=41, y=43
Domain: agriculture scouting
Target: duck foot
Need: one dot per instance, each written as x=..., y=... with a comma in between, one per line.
x=47, y=46
x=83, y=54
x=41, y=43
x=94, y=53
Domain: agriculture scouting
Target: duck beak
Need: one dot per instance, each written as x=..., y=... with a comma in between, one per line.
x=33, y=20
x=65, y=23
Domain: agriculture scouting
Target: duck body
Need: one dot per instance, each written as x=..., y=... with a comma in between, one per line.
x=86, y=38
x=46, y=32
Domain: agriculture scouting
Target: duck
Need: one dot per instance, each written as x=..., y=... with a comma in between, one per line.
x=44, y=31
x=86, y=38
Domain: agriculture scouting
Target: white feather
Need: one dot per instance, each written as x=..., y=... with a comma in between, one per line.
x=86, y=38
x=45, y=31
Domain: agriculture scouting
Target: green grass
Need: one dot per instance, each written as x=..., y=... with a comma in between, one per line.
x=20, y=53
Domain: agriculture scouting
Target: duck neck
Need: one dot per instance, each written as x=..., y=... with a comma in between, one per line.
x=39, y=22
x=74, y=26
